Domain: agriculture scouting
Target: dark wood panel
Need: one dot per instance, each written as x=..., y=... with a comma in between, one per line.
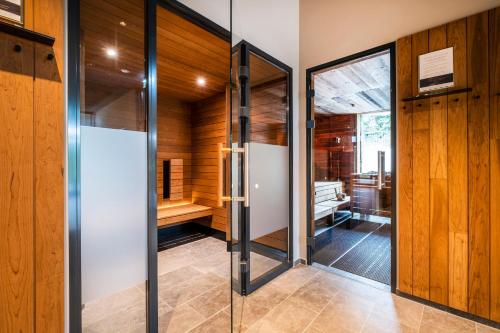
x=478, y=143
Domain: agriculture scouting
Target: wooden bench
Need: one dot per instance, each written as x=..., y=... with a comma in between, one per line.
x=181, y=213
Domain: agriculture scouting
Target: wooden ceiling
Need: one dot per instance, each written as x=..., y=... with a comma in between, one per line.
x=187, y=52
x=357, y=87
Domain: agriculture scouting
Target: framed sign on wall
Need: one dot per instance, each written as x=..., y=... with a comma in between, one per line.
x=435, y=70
x=12, y=11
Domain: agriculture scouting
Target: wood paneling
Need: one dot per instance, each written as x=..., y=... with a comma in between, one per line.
x=438, y=169
x=209, y=128
x=453, y=154
x=17, y=288
x=186, y=52
x=457, y=172
x=32, y=176
x=332, y=159
x=420, y=157
x=405, y=166
x=174, y=142
x=494, y=59
x=478, y=161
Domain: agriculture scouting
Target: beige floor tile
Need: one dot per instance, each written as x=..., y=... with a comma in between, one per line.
x=180, y=319
x=212, y=301
x=287, y=317
x=294, y=278
x=434, y=320
x=383, y=324
x=400, y=310
x=247, y=310
x=220, y=323
x=187, y=290
x=344, y=313
x=315, y=294
x=480, y=328
x=107, y=306
x=177, y=277
x=131, y=319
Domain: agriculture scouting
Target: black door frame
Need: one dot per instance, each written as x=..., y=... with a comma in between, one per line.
x=391, y=47
x=245, y=286
x=73, y=142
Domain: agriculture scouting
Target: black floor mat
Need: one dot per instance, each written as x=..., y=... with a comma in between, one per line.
x=333, y=243
x=371, y=258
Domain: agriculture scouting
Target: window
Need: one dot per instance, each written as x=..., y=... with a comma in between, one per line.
x=375, y=135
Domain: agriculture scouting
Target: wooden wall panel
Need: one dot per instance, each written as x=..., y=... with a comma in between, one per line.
x=16, y=186
x=49, y=168
x=457, y=172
x=420, y=163
x=174, y=142
x=209, y=127
x=494, y=60
x=405, y=166
x=438, y=158
x=478, y=161
x=454, y=155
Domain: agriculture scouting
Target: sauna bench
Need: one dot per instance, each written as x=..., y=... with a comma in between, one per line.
x=181, y=214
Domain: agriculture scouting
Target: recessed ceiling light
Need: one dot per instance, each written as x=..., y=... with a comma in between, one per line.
x=124, y=71
x=110, y=52
x=201, y=81
x=123, y=23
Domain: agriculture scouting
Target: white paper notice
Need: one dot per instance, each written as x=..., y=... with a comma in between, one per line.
x=435, y=70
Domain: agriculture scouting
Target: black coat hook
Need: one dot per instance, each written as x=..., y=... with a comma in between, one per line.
x=17, y=48
x=50, y=56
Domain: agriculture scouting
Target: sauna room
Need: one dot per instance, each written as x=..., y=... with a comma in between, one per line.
x=192, y=116
x=352, y=167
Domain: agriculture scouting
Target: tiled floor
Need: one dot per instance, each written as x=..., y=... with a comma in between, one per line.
x=194, y=296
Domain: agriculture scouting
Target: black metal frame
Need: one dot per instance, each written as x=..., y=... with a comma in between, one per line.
x=73, y=137
x=246, y=286
x=309, y=139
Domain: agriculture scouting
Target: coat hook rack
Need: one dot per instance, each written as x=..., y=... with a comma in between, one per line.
x=26, y=34
x=436, y=94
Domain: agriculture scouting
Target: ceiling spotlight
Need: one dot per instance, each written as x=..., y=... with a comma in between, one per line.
x=201, y=81
x=110, y=52
x=123, y=23
x=124, y=71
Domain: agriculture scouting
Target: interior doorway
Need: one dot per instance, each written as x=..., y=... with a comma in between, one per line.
x=351, y=164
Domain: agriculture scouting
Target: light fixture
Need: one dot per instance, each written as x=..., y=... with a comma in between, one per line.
x=124, y=71
x=123, y=23
x=110, y=52
x=201, y=81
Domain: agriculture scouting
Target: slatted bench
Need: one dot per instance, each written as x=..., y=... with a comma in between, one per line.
x=183, y=213
x=326, y=203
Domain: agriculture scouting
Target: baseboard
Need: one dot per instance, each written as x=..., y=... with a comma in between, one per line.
x=446, y=308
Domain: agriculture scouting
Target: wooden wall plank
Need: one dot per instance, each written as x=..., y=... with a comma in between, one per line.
x=494, y=60
x=16, y=186
x=457, y=171
x=420, y=193
x=478, y=164
x=49, y=168
x=404, y=166
x=438, y=242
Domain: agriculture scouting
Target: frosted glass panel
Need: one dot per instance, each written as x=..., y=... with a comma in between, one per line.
x=113, y=210
x=268, y=189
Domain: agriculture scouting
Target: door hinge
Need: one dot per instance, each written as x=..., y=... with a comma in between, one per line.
x=243, y=72
x=310, y=93
x=244, y=111
x=310, y=123
x=243, y=266
x=310, y=242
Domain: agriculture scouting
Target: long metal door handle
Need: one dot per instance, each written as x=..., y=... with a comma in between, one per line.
x=246, y=175
x=220, y=184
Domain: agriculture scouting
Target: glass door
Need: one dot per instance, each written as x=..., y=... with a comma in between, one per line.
x=261, y=168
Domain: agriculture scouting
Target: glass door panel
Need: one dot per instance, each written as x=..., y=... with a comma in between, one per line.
x=268, y=167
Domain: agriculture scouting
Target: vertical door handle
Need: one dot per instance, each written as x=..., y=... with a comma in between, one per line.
x=221, y=198
x=381, y=169
x=246, y=175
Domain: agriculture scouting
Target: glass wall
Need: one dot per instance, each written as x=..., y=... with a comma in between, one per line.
x=113, y=165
